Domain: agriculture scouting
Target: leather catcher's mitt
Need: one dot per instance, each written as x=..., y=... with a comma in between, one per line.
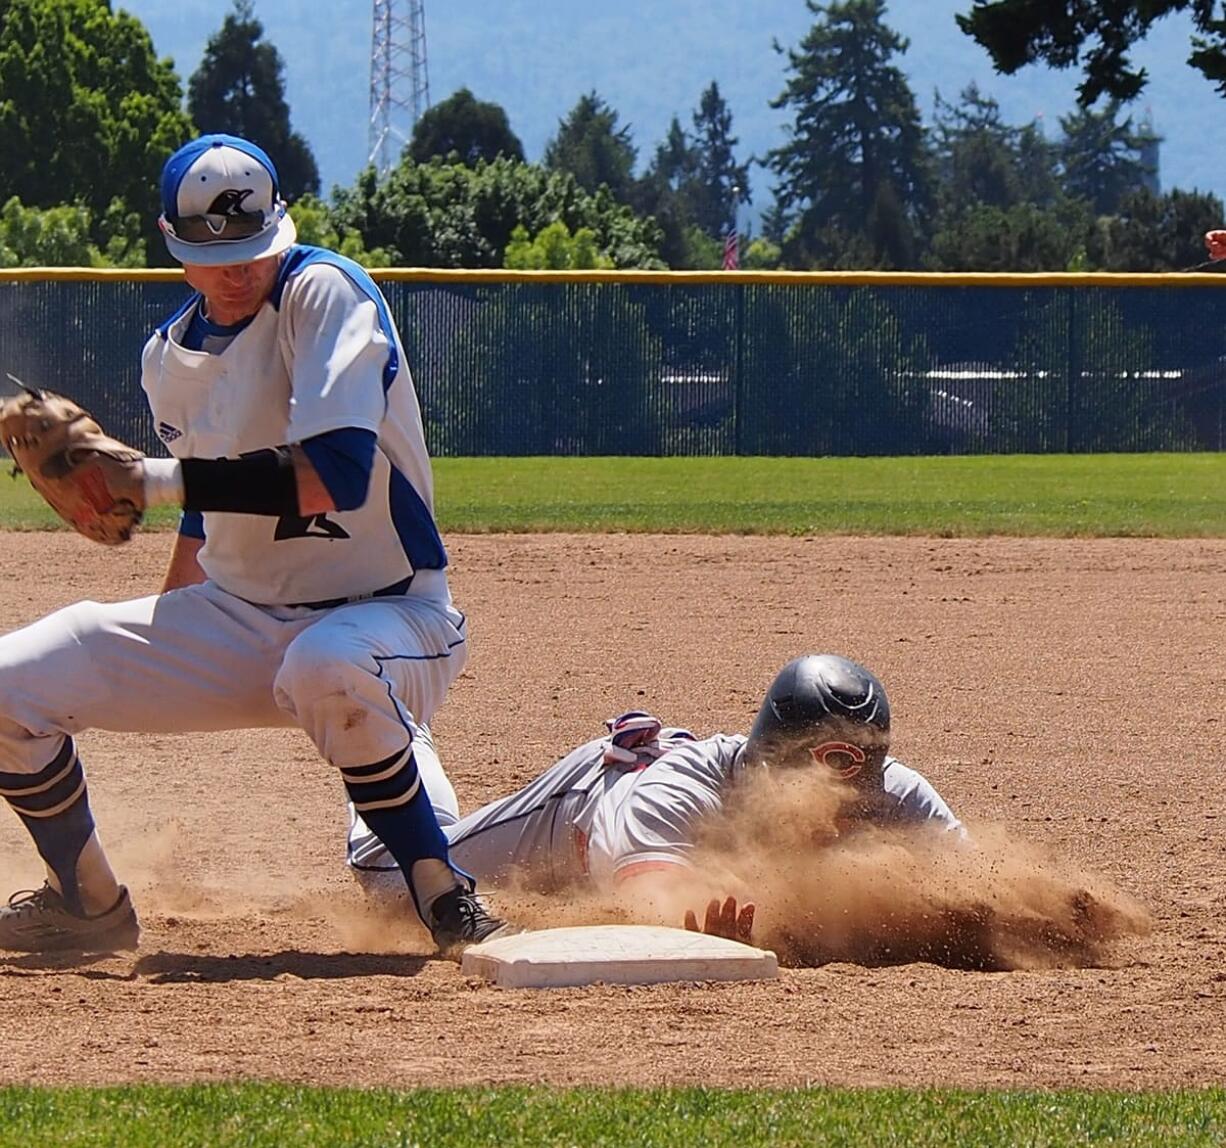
x=93, y=482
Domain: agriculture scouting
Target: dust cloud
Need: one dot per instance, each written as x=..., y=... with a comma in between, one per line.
x=829, y=887
x=170, y=884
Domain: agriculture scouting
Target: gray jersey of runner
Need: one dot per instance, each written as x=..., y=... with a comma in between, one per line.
x=600, y=810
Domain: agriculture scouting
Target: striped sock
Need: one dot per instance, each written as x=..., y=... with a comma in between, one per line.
x=54, y=806
x=390, y=798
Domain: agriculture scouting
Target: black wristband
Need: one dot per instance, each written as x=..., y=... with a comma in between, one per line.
x=261, y=482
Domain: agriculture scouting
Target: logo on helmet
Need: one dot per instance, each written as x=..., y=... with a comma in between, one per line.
x=843, y=758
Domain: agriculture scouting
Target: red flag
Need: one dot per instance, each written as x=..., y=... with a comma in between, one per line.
x=732, y=251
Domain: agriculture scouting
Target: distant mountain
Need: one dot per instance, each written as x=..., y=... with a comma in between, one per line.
x=651, y=59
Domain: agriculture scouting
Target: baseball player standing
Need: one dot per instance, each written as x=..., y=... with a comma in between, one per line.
x=307, y=584
x=627, y=807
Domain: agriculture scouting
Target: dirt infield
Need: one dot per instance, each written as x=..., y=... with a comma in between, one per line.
x=1073, y=692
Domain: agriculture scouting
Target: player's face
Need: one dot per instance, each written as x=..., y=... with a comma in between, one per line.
x=233, y=291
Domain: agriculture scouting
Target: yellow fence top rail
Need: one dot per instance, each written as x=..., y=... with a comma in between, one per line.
x=726, y=278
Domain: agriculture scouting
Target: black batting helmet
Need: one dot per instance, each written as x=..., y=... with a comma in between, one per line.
x=826, y=710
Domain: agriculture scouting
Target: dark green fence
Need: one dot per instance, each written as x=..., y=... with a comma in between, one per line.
x=727, y=364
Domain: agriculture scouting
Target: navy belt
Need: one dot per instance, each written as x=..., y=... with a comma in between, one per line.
x=392, y=591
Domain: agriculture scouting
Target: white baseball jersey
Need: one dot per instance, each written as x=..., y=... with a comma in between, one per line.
x=321, y=355
x=241, y=650
x=602, y=812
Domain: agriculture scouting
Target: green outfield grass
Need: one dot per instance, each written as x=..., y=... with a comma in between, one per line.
x=1155, y=494
x=254, y=1116
x=1164, y=495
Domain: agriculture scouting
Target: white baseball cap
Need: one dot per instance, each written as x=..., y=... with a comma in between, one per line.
x=221, y=203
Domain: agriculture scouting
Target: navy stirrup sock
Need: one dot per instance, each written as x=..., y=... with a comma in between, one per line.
x=53, y=804
x=391, y=800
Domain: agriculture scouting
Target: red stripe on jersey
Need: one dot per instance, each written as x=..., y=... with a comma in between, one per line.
x=637, y=867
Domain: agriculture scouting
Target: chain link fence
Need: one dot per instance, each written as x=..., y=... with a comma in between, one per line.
x=626, y=364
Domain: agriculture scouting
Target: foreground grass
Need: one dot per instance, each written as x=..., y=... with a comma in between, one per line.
x=220, y=1116
x=1161, y=495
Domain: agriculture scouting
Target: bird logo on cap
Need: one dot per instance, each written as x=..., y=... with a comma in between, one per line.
x=229, y=202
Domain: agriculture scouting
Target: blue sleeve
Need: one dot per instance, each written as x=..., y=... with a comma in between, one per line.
x=343, y=459
x=191, y=524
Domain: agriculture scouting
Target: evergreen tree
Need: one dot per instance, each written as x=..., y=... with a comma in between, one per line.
x=774, y=224
x=854, y=172
x=591, y=147
x=719, y=181
x=1038, y=166
x=468, y=128
x=999, y=203
x=976, y=153
x=664, y=194
x=688, y=187
x=676, y=160
x=1101, y=157
x=239, y=89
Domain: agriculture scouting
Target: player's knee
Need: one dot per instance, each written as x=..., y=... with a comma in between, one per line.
x=316, y=665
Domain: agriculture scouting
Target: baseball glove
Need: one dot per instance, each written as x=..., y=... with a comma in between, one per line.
x=93, y=482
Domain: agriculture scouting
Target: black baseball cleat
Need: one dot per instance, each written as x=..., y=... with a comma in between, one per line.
x=459, y=918
x=38, y=921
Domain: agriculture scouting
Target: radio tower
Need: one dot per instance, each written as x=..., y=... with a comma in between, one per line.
x=399, y=81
